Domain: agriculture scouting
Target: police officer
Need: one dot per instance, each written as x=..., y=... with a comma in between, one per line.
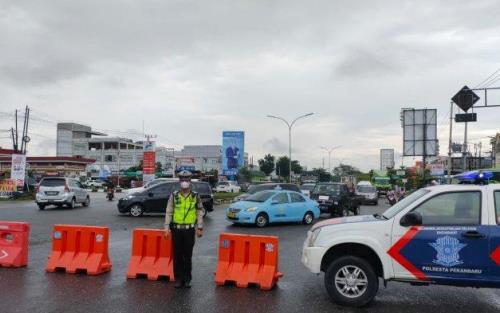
x=184, y=220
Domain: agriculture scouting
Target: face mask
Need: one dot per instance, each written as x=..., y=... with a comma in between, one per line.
x=185, y=184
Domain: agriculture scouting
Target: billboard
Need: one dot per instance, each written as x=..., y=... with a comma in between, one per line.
x=233, y=152
x=419, y=132
x=185, y=163
x=18, y=169
x=386, y=159
x=148, y=162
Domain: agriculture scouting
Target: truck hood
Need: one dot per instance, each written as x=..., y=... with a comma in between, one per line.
x=346, y=220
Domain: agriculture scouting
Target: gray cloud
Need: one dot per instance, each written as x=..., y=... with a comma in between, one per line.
x=191, y=69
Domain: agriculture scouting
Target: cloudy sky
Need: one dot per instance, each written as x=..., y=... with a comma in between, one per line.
x=191, y=69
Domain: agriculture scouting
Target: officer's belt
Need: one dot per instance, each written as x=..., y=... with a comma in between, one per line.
x=183, y=226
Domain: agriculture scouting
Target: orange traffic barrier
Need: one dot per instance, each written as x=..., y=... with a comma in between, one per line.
x=152, y=255
x=14, y=239
x=77, y=248
x=248, y=259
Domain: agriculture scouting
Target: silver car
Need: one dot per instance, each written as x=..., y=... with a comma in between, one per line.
x=61, y=191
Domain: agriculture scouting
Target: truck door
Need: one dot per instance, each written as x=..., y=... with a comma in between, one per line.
x=495, y=240
x=451, y=245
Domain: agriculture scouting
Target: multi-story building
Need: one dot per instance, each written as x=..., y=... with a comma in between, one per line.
x=116, y=153
x=204, y=158
x=386, y=159
x=113, y=153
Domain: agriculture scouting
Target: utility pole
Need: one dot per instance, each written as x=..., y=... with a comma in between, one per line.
x=450, y=143
x=465, y=148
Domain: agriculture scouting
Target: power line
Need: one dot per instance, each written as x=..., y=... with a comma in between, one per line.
x=488, y=78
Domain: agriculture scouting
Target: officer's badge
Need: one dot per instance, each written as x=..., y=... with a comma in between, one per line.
x=447, y=249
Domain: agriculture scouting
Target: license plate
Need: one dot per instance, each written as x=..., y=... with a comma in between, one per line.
x=324, y=197
x=231, y=215
x=336, y=203
x=51, y=193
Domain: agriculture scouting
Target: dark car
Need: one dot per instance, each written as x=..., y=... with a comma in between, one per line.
x=336, y=199
x=154, y=199
x=268, y=186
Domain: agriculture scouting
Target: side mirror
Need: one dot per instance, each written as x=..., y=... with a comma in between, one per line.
x=274, y=202
x=411, y=219
x=150, y=194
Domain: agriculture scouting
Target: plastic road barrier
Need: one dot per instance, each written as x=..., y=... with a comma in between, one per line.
x=152, y=255
x=14, y=240
x=248, y=259
x=77, y=248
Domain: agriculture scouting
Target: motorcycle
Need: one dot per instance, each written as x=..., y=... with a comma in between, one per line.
x=391, y=197
x=110, y=194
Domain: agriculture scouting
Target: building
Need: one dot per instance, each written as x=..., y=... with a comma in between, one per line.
x=495, y=150
x=110, y=153
x=6, y=152
x=203, y=158
x=386, y=159
x=50, y=166
x=117, y=153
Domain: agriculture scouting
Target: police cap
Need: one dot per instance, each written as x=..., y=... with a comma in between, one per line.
x=184, y=174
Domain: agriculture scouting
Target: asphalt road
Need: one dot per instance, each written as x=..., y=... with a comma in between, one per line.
x=31, y=289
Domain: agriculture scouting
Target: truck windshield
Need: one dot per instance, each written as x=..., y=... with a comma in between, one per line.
x=395, y=209
x=382, y=180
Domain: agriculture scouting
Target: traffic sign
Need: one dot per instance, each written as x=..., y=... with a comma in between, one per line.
x=467, y=117
x=465, y=98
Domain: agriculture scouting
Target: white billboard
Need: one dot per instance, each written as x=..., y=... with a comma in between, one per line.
x=18, y=169
x=419, y=132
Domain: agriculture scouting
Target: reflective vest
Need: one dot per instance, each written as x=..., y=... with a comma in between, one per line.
x=185, y=208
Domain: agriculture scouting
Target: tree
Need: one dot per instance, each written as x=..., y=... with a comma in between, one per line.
x=322, y=175
x=266, y=164
x=244, y=175
x=296, y=167
x=282, y=166
x=159, y=167
x=345, y=170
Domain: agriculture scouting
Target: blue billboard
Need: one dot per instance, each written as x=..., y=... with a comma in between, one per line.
x=233, y=144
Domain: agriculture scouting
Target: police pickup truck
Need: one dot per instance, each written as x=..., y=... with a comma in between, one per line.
x=448, y=235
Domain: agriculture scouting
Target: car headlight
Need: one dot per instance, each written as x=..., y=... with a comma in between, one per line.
x=129, y=197
x=314, y=236
x=251, y=209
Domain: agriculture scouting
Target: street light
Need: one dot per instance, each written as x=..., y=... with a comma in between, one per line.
x=290, y=125
x=330, y=156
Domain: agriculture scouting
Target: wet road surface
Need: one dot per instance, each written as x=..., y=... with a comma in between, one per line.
x=30, y=289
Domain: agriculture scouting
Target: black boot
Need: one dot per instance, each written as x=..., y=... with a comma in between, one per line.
x=179, y=284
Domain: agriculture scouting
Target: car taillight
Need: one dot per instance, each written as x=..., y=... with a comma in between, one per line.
x=66, y=188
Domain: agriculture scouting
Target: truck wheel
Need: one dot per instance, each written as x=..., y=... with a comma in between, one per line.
x=41, y=206
x=351, y=281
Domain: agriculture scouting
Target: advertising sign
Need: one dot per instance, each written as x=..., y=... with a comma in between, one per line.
x=185, y=163
x=419, y=132
x=18, y=169
x=149, y=162
x=233, y=144
x=437, y=169
x=7, y=188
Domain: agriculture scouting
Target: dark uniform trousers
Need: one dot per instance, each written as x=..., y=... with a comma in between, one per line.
x=183, y=240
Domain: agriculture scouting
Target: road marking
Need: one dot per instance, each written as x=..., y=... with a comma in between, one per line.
x=5, y=254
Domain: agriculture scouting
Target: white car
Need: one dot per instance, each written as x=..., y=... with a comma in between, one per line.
x=61, y=191
x=447, y=235
x=227, y=186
